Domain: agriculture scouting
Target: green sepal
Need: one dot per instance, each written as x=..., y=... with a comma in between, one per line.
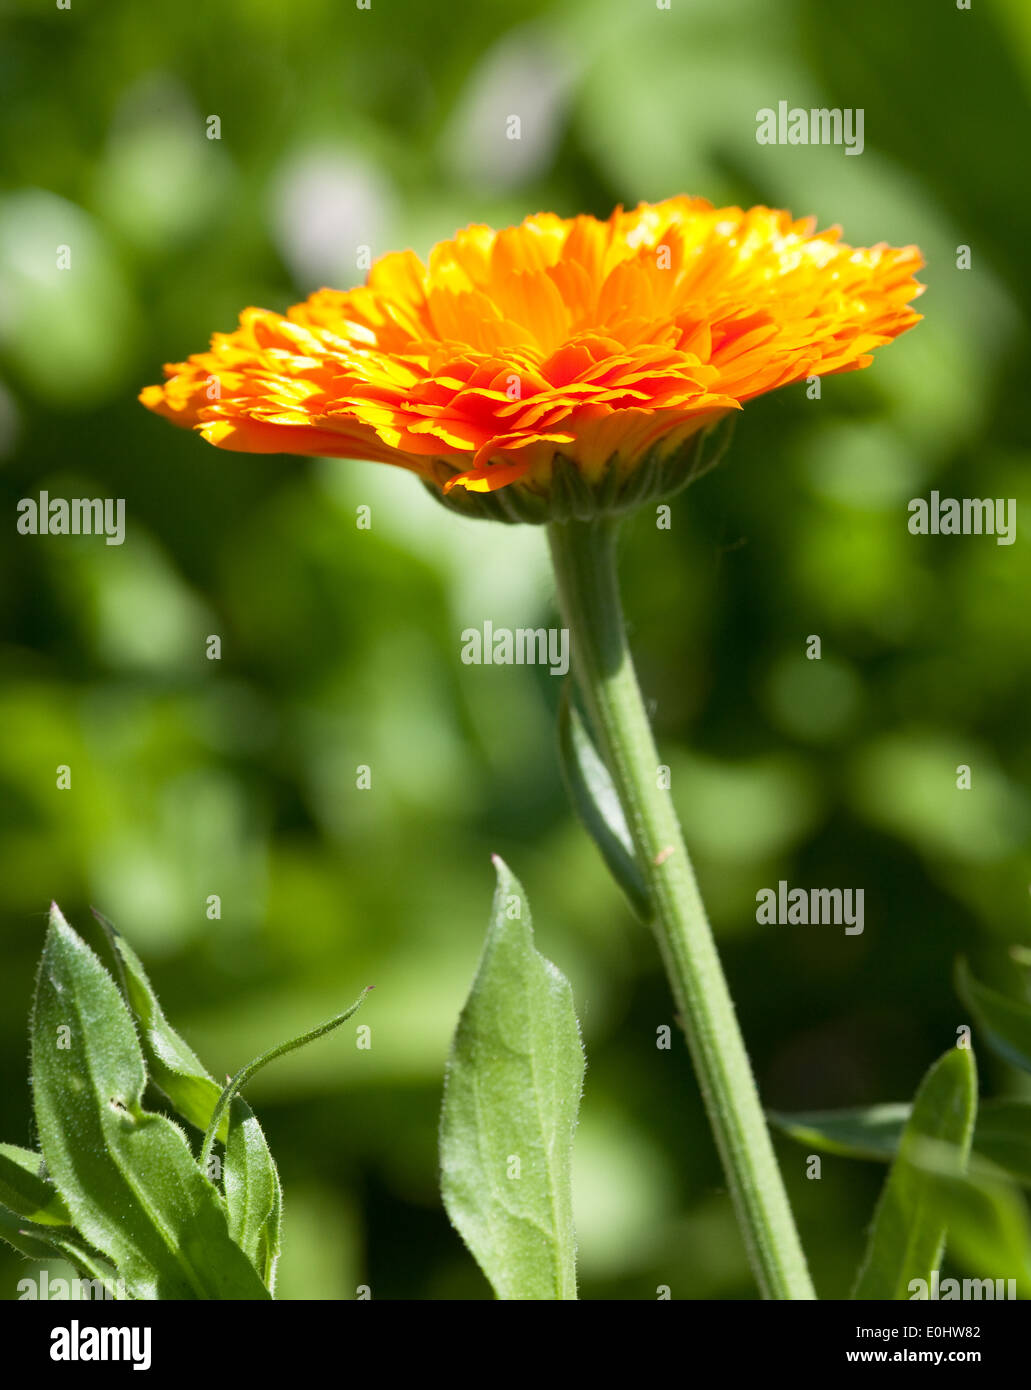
x=565, y=493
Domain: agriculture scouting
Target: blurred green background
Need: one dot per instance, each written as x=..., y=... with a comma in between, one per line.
x=341, y=647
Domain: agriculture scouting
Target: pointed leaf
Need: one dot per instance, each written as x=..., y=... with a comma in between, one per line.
x=172, y=1064
x=510, y=1106
x=25, y=1190
x=1005, y=1022
x=127, y=1176
x=908, y=1233
x=597, y=804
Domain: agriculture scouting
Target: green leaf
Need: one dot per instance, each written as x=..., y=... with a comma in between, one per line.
x=1006, y=1023
x=251, y=1184
x=55, y=1243
x=511, y=1098
x=25, y=1189
x=864, y=1132
x=597, y=804
x=127, y=1176
x=172, y=1064
x=908, y=1234
x=1002, y=1133
x=987, y=1219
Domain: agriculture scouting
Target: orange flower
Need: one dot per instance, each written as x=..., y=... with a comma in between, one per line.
x=573, y=347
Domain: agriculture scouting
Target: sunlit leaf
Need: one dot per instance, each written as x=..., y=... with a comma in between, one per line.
x=251, y=1184
x=510, y=1106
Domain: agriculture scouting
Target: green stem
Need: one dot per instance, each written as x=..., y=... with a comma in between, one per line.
x=583, y=554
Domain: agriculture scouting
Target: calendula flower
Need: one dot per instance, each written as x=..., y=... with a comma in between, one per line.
x=564, y=366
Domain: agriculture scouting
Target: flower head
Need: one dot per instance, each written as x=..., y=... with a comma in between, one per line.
x=563, y=363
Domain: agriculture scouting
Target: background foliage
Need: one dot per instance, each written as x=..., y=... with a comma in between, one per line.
x=341, y=647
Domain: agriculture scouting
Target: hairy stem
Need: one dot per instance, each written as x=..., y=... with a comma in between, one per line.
x=583, y=555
